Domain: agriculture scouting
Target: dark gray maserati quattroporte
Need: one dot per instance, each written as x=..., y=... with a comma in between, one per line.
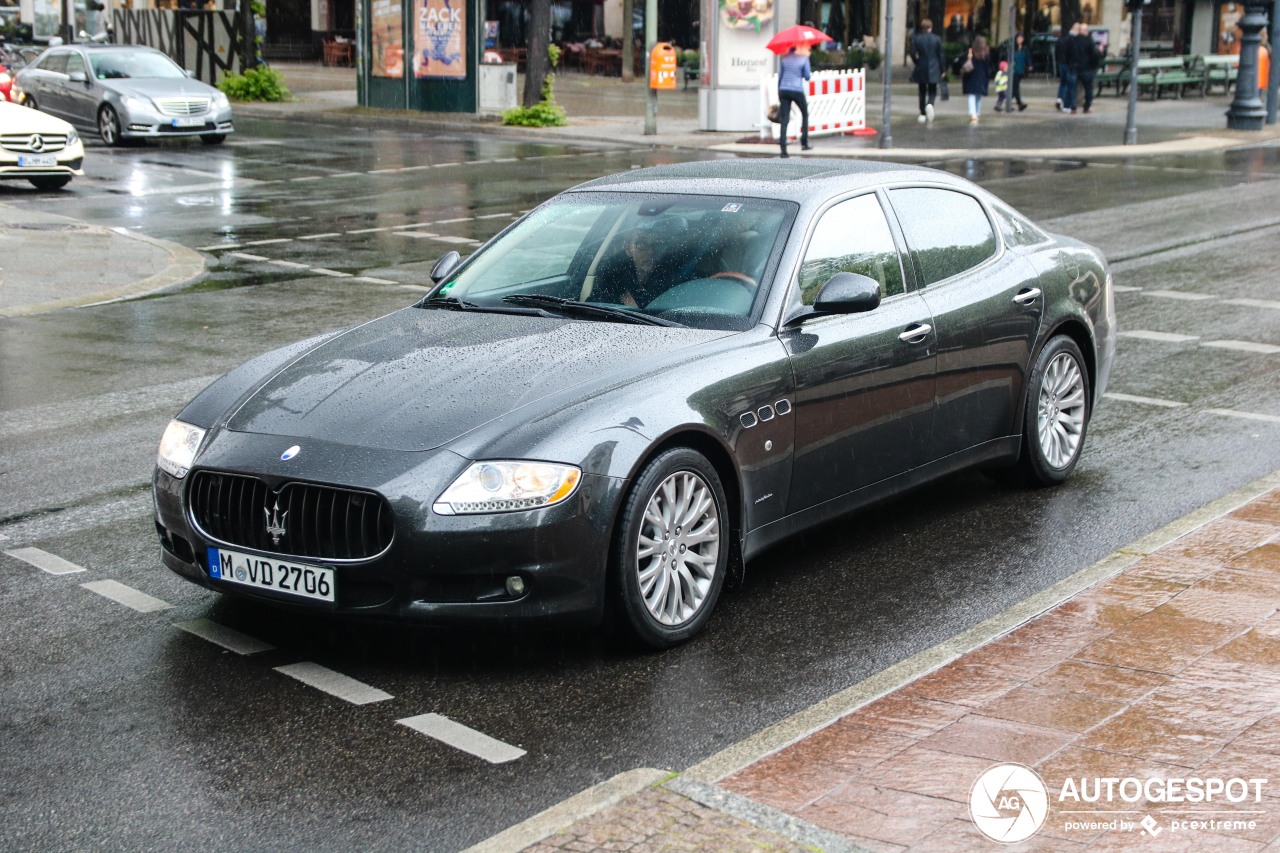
x=645, y=379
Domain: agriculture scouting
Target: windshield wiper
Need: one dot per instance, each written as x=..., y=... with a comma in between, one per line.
x=450, y=302
x=573, y=307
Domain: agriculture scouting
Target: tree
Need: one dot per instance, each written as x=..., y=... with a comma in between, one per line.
x=537, y=63
x=628, y=41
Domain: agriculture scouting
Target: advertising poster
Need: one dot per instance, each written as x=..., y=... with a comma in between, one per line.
x=742, y=59
x=385, y=28
x=439, y=37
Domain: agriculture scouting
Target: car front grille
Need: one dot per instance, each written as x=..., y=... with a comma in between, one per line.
x=33, y=143
x=183, y=106
x=298, y=520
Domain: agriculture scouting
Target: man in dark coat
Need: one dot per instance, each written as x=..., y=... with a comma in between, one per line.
x=1066, y=79
x=926, y=53
x=1086, y=58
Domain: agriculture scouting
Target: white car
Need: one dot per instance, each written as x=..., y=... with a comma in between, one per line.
x=38, y=148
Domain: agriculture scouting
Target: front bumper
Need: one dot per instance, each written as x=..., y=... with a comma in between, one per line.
x=136, y=123
x=438, y=569
x=12, y=171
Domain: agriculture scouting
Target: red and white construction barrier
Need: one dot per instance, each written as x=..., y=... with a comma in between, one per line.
x=837, y=104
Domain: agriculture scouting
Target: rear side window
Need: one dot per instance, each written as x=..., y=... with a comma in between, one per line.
x=948, y=232
x=1017, y=231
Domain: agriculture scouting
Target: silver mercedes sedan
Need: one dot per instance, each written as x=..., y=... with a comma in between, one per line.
x=123, y=92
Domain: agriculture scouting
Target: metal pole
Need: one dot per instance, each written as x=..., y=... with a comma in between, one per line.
x=1246, y=111
x=1013, y=38
x=1273, y=81
x=650, y=39
x=1135, y=45
x=886, y=130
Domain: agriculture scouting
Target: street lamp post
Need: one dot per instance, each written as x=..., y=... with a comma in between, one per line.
x=1273, y=83
x=1135, y=43
x=886, y=132
x=1009, y=58
x=1246, y=111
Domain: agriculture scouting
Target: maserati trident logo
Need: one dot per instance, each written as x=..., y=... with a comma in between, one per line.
x=275, y=522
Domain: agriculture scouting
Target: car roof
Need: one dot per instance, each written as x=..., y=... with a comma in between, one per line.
x=796, y=180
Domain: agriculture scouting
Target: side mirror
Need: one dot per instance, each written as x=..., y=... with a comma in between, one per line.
x=448, y=263
x=848, y=293
x=188, y=72
x=77, y=77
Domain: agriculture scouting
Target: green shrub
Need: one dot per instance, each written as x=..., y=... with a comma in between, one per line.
x=860, y=57
x=541, y=114
x=256, y=84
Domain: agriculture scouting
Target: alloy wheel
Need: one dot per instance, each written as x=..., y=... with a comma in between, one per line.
x=678, y=548
x=1061, y=413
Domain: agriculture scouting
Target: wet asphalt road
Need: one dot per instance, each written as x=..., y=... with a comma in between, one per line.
x=120, y=731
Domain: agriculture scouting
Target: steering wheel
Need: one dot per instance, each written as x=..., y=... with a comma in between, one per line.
x=741, y=278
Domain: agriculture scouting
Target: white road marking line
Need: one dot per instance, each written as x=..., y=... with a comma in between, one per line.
x=416, y=168
x=418, y=234
x=220, y=635
x=445, y=165
x=413, y=225
x=1124, y=288
x=496, y=216
x=321, y=236
x=270, y=242
x=373, y=280
x=1244, y=346
x=1183, y=295
x=461, y=737
x=451, y=221
x=44, y=561
x=334, y=273
x=1254, y=303
x=1252, y=416
x=1148, y=401
x=334, y=683
x=310, y=178
x=290, y=265
x=446, y=239
x=127, y=595
x=505, y=160
x=384, y=171
x=348, y=175
x=416, y=287
x=1166, y=337
x=370, y=230
x=246, y=256
x=218, y=248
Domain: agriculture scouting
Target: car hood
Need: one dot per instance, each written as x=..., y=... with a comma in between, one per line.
x=159, y=87
x=418, y=378
x=18, y=119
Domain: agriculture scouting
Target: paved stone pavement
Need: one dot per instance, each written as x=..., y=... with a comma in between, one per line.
x=1166, y=669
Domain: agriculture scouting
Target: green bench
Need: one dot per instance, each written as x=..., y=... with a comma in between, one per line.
x=692, y=72
x=1114, y=72
x=1220, y=70
x=1177, y=72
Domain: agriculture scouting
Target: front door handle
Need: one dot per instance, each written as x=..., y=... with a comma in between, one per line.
x=915, y=333
x=1026, y=297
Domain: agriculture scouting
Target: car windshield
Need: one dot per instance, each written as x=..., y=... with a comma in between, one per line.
x=123, y=64
x=693, y=260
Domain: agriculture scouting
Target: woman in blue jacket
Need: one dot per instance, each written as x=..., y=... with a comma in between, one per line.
x=792, y=73
x=976, y=78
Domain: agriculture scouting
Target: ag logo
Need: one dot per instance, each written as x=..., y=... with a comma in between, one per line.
x=1009, y=803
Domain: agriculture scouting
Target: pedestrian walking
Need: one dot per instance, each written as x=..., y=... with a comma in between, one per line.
x=1066, y=78
x=926, y=53
x=1019, y=70
x=975, y=76
x=1085, y=59
x=793, y=71
x=1002, y=85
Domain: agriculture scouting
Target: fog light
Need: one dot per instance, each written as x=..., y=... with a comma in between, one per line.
x=515, y=586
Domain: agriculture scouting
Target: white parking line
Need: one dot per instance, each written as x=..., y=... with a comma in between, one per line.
x=246, y=256
x=334, y=273
x=1244, y=346
x=418, y=287
x=44, y=561
x=496, y=216
x=219, y=248
x=385, y=171
x=1183, y=295
x=370, y=230
x=445, y=165
x=460, y=737
x=321, y=236
x=373, y=280
x=127, y=595
x=270, y=242
x=1251, y=416
x=220, y=635
x=1254, y=303
x=1147, y=401
x=447, y=239
x=451, y=221
x=334, y=683
x=422, y=234
x=411, y=225
x=291, y=265
x=347, y=175
x=310, y=178
x=416, y=168
x=1164, y=337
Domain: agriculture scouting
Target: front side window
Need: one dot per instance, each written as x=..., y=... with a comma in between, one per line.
x=853, y=237
x=692, y=260
x=56, y=62
x=75, y=62
x=947, y=232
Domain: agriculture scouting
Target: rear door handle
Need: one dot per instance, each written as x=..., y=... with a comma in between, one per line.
x=915, y=333
x=1026, y=297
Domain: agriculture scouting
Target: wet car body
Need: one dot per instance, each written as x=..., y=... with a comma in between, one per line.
x=755, y=421
x=124, y=92
x=38, y=148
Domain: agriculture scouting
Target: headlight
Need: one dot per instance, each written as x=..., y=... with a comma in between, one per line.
x=220, y=99
x=178, y=448
x=72, y=138
x=508, y=486
x=135, y=103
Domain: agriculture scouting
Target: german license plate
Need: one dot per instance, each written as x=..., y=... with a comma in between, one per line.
x=187, y=121
x=269, y=573
x=38, y=160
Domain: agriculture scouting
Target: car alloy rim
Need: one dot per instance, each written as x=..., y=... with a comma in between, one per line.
x=679, y=548
x=1061, y=414
x=108, y=128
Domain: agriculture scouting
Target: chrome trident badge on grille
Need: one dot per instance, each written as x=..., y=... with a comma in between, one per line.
x=275, y=522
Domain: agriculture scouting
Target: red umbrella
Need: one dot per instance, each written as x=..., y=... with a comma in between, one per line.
x=797, y=36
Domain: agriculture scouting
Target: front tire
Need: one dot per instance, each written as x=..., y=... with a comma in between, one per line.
x=109, y=126
x=671, y=553
x=50, y=183
x=1057, y=414
x=213, y=138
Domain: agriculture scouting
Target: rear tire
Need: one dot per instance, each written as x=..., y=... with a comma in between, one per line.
x=50, y=183
x=671, y=553
x=109, y=126
x=1057, y=413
